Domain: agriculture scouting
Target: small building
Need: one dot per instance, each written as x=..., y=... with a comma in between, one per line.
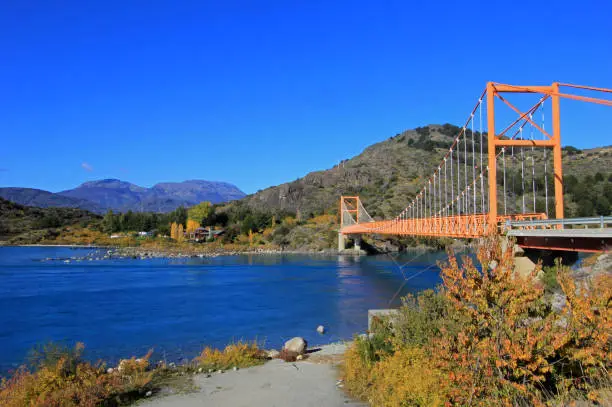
x=202, y=234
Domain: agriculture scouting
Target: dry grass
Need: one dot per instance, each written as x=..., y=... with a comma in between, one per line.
x=63, y=379
x=239, y=354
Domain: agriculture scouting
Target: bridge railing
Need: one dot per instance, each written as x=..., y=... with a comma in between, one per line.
x=600, y=221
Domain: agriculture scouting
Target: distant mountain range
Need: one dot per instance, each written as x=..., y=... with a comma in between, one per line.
x=120, y=196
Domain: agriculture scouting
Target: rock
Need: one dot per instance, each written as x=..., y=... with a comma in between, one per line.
x=321, y=329
x=235, y=369
x=299, y=357
x=210, y=370
x=220, y=371
x=200, y=370
x=273, y=354
x=297, y=345
x=149, y=393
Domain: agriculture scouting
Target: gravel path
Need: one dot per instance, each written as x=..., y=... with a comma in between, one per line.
x=312, y=382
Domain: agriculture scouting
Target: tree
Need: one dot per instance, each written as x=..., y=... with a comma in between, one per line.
x=174, y=231
x=180, y=234
x=192, y=225
x=199, y=211
x=602, y=206
x=109, y=223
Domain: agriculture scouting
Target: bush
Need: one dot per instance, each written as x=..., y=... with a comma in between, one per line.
x=491, y=338
x=62, y=378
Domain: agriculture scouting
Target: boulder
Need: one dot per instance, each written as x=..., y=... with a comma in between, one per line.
x=297, y=345
x=273, y=354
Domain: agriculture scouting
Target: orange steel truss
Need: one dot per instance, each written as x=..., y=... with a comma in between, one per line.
x=461, y=226
x=478, y=225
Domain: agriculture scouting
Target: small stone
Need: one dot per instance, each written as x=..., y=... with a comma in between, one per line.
x=207, y=376
x=220, y=371
x=200, y=370
x=149, y=393
x=210, y=370
x=321, y=329
x=235, y=368
x=299, y=357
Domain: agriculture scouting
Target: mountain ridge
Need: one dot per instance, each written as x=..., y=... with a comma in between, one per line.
x=99, y=196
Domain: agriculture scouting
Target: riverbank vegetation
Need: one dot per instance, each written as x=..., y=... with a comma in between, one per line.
x=490, y=337
x=60, y=376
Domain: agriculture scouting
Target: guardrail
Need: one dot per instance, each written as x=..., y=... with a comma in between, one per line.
x=549, y=223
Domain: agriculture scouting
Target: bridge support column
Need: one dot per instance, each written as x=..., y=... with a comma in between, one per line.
x=357, y=243
x=341, y=242
x=557, y=154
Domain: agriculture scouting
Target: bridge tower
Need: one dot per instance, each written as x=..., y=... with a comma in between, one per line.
x=494, y=140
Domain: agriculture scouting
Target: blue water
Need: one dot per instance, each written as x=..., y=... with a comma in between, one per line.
x=124, y=307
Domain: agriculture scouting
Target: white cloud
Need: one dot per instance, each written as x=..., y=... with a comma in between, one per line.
x=86, y=166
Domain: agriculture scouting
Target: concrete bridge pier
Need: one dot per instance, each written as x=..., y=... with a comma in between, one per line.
x=342, y=240
x=357, y=240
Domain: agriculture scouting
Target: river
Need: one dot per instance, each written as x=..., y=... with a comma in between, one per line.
x=123, y=307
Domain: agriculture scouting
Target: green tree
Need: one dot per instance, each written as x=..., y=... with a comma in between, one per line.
x=602, y=206
x=110, y=222
x=199, y=212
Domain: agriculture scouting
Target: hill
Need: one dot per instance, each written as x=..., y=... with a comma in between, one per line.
x=25, y=224
x=386, y=175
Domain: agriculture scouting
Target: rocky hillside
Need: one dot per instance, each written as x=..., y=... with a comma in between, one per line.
x=386, y=175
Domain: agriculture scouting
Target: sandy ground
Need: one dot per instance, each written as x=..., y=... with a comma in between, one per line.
x=312, y=382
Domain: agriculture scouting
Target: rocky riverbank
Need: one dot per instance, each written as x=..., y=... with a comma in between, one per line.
x=139, y=253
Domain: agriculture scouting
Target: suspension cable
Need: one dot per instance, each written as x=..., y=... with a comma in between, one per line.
x=533, y=181
x=504, y=165
x=452, y=185
x=545, y=165
x=523, y=173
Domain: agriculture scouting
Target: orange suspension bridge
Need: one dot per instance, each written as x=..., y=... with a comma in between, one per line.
x=474, y=191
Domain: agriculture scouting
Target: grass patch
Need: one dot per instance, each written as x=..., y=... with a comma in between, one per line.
x=239, y=354
x=57, y=375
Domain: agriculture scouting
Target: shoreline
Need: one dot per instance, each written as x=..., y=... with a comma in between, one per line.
x=142, y=253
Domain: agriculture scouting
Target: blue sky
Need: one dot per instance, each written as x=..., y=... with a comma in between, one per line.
x=258, y=93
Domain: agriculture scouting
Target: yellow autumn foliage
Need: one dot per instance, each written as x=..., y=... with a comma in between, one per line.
x=490, y=337
x=239, y=354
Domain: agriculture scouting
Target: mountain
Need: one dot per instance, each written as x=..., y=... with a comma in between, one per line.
x=108, y=194
x=387, y=174
x=45, y=199
x=120, y=196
